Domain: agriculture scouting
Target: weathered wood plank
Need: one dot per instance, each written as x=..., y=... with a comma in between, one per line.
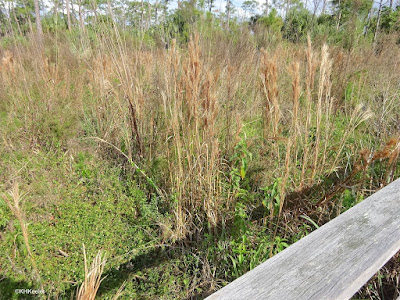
x=333, y=262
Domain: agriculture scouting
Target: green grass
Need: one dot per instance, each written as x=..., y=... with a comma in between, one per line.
x=89, y=205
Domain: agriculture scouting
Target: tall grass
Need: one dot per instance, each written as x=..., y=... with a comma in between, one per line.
x=179, y=113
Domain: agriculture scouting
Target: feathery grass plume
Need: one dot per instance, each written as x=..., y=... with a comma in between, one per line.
x=394, y=143
x=321, y=102
x=129, y=89
x=272, y=112
x=191, y=81
x=210, y=111
x=204, y=157
x=291, y=141
x=14, y=205
x=295, y=70
x=392, y=152
x=310, y=77
x=173, y=141
x=182, y=109
x=191, y=112
x=389, y=152
x=295, y=130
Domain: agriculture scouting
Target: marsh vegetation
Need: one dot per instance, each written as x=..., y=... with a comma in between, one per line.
x=187, y=145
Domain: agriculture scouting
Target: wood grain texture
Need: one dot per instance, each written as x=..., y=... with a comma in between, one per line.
x=333, y=262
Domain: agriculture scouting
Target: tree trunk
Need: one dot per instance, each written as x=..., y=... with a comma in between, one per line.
x=68, y=14
x=266, y=7
x=94, y=5
x=56, y=9
x=339, y=17
x=366, y=27
x=228, y=12
x=316, y=5
x=74, y=16
x=148, y=25
x=324, y=7
x=210, y=5
x=142, y=18
x=82, y=25
x=38, y=23
x=287, y=9
x=16, y=21
x=378, y=21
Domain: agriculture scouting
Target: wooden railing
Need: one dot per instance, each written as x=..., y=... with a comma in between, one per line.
x=334, y=261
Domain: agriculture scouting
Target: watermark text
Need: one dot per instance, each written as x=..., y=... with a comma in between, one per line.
x=29, y=292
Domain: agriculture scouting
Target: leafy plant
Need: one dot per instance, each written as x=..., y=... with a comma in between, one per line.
x=279, y=244
x=241, y=158
x=240, y=243
x=271, y=200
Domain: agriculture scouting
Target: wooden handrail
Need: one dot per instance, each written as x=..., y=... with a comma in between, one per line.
x=334, y=261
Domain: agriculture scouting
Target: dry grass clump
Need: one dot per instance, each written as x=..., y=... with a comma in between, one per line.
x=91, y=284
x=173, y=101
x=310, y=122
x=191, y=107
x=38, y=93
x=93, y=278
x=272, y=113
